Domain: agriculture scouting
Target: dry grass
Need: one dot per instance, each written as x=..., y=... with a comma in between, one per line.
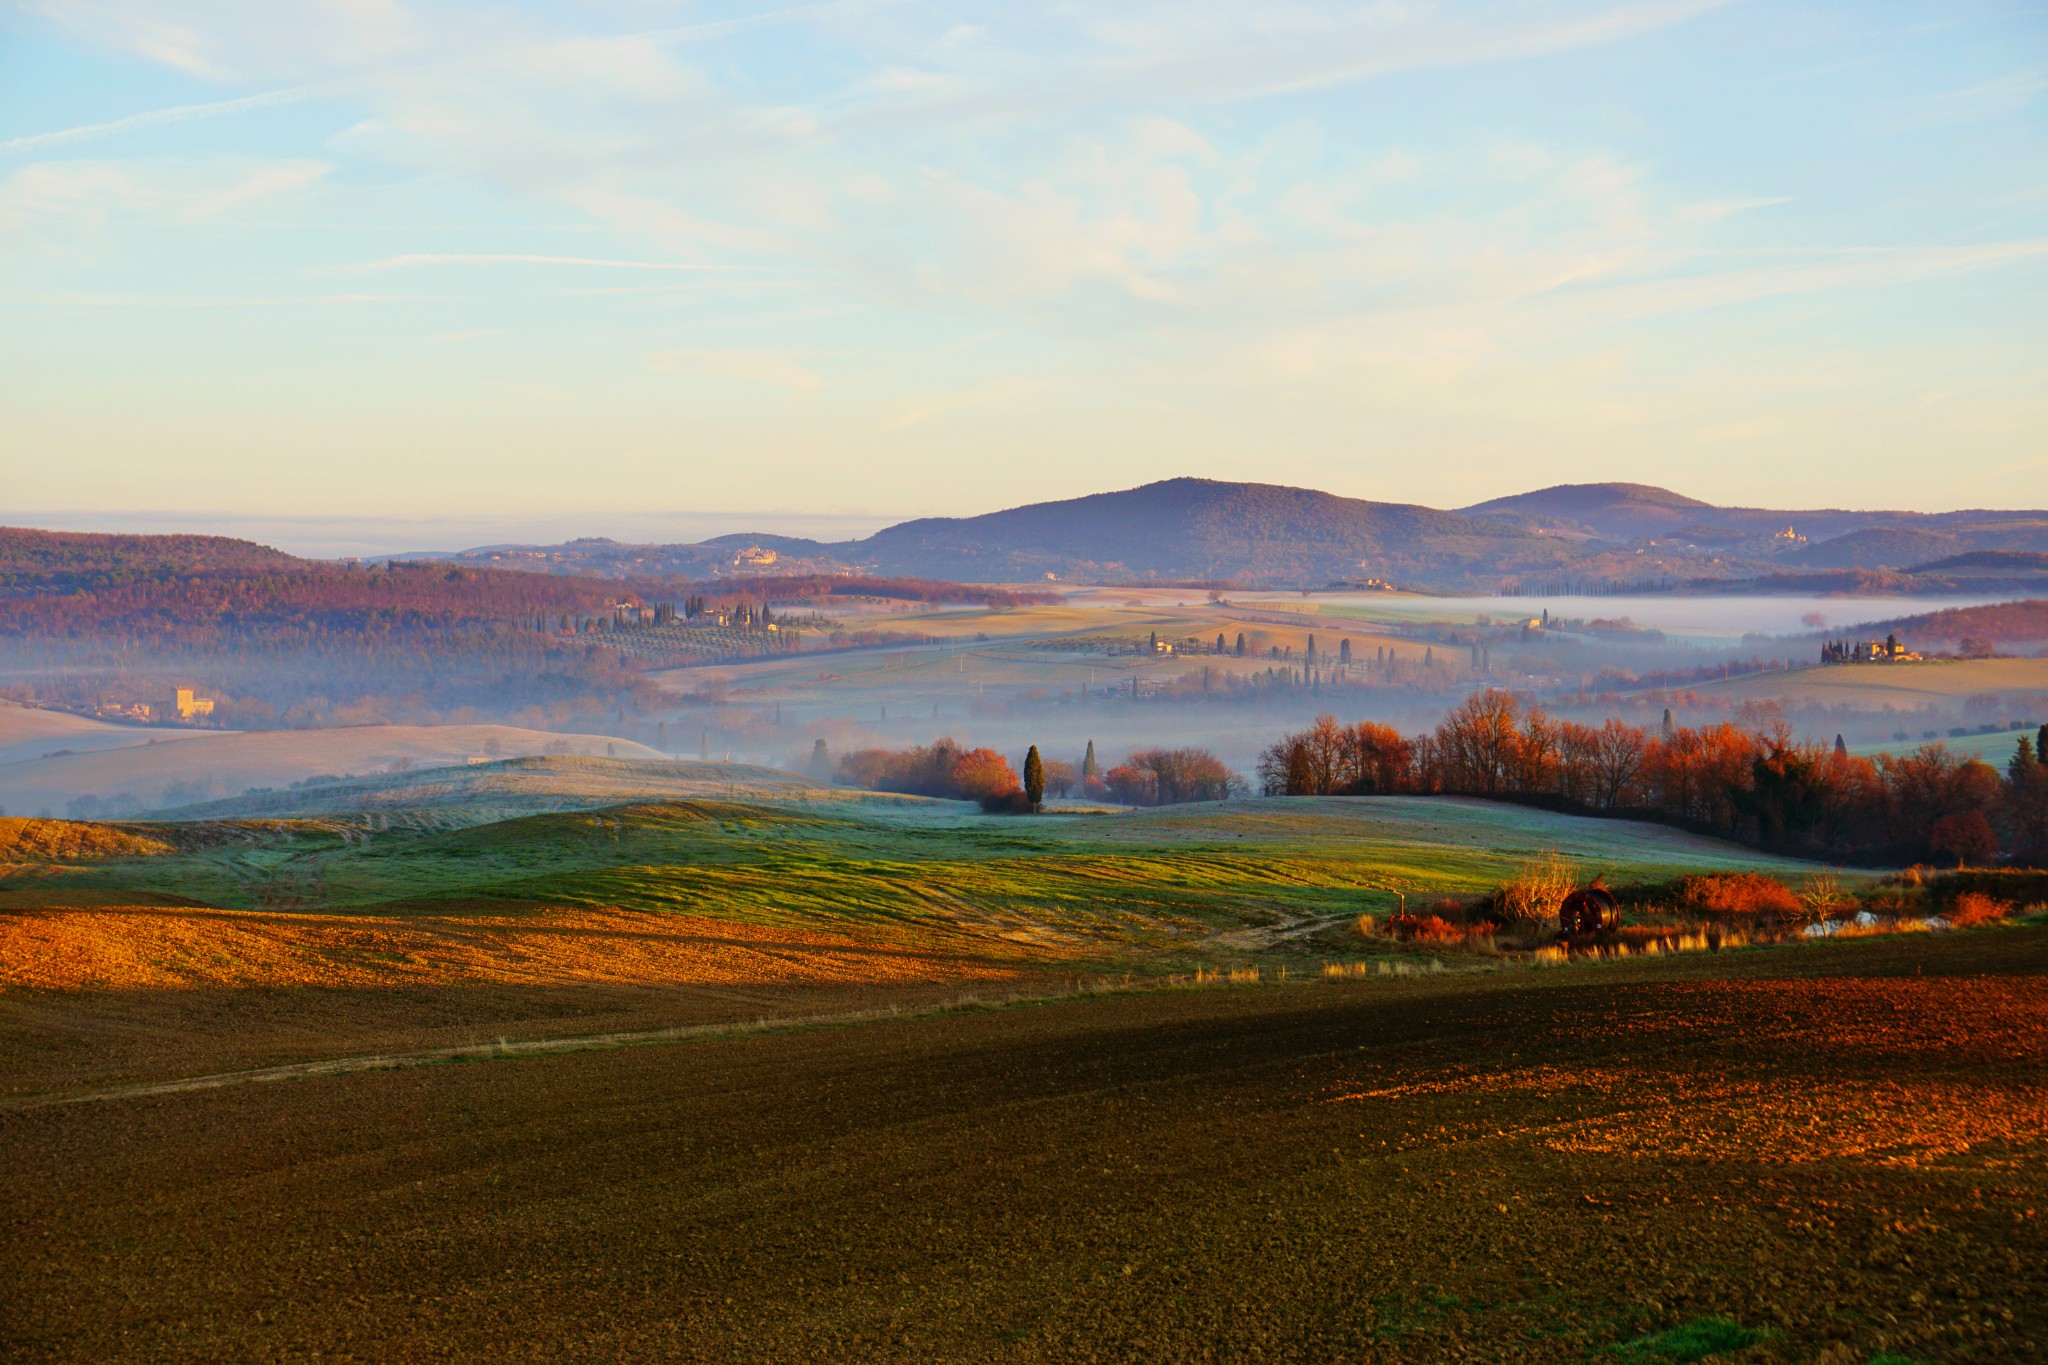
x=156, y=948
x=1538, y=890
x=70, y=841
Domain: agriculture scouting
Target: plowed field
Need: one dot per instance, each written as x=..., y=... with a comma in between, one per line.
x=1826, y=1153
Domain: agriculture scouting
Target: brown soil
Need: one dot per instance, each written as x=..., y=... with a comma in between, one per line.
x=136, y=993
x=1840, y=1148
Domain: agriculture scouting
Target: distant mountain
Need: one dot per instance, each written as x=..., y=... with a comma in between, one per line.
x=1203, y=529
x=1268, y=535
x=1607, y=510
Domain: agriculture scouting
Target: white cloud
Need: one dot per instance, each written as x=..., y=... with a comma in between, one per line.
x=416, y=260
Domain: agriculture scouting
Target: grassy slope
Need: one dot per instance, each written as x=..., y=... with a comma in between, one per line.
x=481, y=793
x=275, y=758
x=898, y=868
x=1825, y=1154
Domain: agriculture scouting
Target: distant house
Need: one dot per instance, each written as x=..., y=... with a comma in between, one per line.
x=754, y=557
x=1889, y=650
x=187, y=707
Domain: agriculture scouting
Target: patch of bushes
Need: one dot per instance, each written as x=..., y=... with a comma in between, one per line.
x=1738, y=893
x=2015, y=886
x=1972, y=908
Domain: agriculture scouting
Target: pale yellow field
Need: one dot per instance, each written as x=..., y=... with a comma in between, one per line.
x=1021, y=648
x=234, y=761
x=1898, y=687
x=29, y=732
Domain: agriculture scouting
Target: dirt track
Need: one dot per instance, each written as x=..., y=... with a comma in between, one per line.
x=1840, y=1149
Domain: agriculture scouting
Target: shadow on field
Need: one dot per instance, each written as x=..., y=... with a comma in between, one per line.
x=1821, y=1153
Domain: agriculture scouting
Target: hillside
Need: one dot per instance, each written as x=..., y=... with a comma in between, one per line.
x=1204, y=529
x=183, y=767
x=31, y=732
x=476, y=793
x=78, y=560
x=1610, y=510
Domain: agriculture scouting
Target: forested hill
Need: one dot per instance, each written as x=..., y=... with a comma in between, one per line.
x=1205, y=529
x=55, y=561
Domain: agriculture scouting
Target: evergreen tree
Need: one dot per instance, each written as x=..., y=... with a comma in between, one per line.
x=1240, y=650
x=1155, y=642
x=1034, y=778
x=1089, y=767
x=661, y=736
x=1310, y=657
x=1669, y=728
x=1841, y=749
x=2024, y=763
x=1219, y=643
x=821, y=762
x=1344, y=652
x=1429, y=658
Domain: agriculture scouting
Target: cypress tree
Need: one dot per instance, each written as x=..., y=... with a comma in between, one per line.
x=1841, y=749
x=1219, y=643
x=821, y=761
x=1240, y=650
x=1089, y=768
x=1155, y=642
x=1034, y=778
x=661, y=736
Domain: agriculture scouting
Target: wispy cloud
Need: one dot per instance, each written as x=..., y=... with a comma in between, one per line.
x=418, y=260
x=157, y=118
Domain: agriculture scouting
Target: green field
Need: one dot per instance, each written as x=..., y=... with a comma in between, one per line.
x=774, y=852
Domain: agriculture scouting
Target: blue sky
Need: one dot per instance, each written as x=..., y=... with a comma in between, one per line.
x=630, y=267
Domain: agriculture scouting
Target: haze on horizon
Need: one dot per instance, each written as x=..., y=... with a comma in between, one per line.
x=413, y=263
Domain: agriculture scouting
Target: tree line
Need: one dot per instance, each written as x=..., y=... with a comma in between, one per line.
x=1760, y=788
x=946, y=769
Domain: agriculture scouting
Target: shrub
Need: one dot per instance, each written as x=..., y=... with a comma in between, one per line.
x=1974, y=907
x=1738, y=893
x=1427, y=929
x=1537, y=891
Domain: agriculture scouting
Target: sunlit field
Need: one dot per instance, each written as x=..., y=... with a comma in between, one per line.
x=1638, y=1160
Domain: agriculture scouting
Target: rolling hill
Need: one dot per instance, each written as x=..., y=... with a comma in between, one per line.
x=183, y=767
x=1197, y=530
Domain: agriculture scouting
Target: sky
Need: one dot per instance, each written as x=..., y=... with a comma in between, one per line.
x=422, y=272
